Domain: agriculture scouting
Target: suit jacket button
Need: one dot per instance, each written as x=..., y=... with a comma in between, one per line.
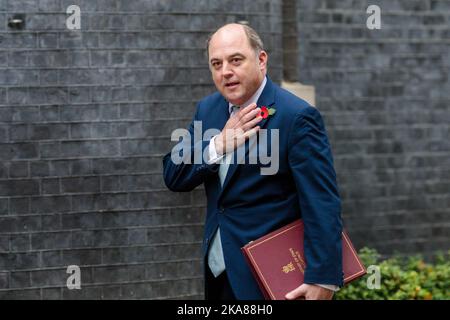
x=221, y=209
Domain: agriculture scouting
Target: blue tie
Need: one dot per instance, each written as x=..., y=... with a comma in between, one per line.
x=216, y=261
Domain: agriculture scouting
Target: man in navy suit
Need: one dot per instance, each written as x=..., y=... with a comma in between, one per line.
x=243, y=203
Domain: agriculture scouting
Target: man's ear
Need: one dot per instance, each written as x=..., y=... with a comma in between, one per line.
x=262, y=59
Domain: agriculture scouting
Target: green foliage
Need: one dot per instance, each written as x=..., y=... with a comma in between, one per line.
x=401, y=279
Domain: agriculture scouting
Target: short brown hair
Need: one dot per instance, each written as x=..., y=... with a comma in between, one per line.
x=253, y=38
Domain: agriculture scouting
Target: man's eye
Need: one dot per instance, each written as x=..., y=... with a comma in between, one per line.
x=236, y=60
x=216, y=64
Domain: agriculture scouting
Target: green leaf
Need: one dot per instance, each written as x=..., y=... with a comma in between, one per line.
x=272, y=111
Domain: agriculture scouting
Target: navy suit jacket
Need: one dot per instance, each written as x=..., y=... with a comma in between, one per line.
x=250, y=205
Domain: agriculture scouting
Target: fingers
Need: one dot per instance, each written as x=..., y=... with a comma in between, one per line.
x=251, y=132
x=231, y=138
x=247, y=118
x=296, y=293
x=244, y=111
x=241, y=118
x=251, y=123
x=244, y=119
x=238, y=140
x=248, y=109
x=241, y=126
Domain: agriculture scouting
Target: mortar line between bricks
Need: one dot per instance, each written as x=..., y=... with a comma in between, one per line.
x=145, y=191
x=88, y=175
x=362, y=55
x=401, y=227
x=188, y=225
x=137, y=174
x=365, y=70
x=31, y=197
x=112, y=66
x=118, y=30
x=121, y=86
x=112, y=192
x=382, y=99
x=415, y=240
x=112, y=157
x=419, y=182
x=381, y=154
x=383, y=127
x=397, y=170
x=146, y=102
x=82, y=177
x=381, y=41
x=386, y=27
x=423, y=225
x=95, y=103
x=76, y=122
x=151, y=245
x=109, y=67
x=68, y=86
x=154, y=86
x=102, y=211
x=158, y=173
x=123, y=228
x=142, y=102
x=394, y=212
x=401, y=197
x=168, y=139
x=63, y=31
x=183, y=297
x=396, y=155
x=390, y=12
x=87, y=50
x=99, y=139
x=154, y=13
x=81, y=47
x=108, y=283
x=107, y=265
x=131, y=210
x=343, y=172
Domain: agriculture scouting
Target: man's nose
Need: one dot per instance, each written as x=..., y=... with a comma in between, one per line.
x=227, y=70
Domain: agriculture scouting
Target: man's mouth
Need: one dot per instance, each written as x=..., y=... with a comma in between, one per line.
x=232, y=85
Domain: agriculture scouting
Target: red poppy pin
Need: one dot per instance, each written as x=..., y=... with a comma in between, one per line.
x=265, y=112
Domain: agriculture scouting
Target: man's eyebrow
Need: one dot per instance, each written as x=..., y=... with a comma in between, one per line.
x=237, y=54
x=234, y=55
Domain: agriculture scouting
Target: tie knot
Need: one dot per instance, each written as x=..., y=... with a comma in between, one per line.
x=235, y=109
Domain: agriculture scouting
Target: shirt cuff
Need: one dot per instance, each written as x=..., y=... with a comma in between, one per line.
x=331, y=287
x=213, y=156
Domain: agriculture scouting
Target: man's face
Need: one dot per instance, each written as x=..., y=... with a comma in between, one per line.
x=237, y=70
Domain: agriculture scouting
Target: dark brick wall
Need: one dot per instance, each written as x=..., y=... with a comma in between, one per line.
x=385, y=97
x=290, y=41
x=85, y=117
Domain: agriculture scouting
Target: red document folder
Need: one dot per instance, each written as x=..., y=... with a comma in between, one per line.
x=277, y=260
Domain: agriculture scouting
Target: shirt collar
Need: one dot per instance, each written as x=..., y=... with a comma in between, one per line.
x=253, y=99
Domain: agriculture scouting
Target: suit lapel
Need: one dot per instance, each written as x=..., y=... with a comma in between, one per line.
x=267, y=99
x=222, y=115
